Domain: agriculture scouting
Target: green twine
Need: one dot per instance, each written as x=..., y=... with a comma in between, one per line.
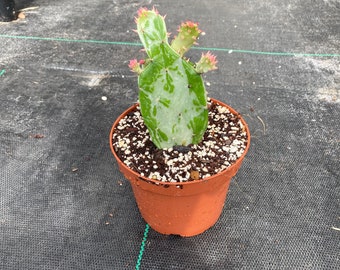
x=2, y=72
x=268, y=53
x=142, y=247
x=196, y=48
x=72, y=40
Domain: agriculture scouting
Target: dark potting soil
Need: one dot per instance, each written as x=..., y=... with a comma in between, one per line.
x=223, y=143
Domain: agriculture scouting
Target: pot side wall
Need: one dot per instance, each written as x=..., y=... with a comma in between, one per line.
x=187, y=208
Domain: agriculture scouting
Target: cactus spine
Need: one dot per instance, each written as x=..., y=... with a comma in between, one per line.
x=172, y=96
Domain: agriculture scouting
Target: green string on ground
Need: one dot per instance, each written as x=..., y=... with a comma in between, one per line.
x=73, y=40
x=269, y=53
x=2, y=72
x=142, y=246
x=197, y=48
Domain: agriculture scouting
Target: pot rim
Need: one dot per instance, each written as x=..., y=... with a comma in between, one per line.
x=191, y=182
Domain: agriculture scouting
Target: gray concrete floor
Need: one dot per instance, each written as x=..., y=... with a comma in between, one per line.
x=63, y=202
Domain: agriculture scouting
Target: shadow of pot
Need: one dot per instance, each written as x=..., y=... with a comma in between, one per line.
x=187, y=208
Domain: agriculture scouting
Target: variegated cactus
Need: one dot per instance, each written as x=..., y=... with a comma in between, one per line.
x=172, y=96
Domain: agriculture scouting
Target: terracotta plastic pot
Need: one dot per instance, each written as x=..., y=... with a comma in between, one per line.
x=185, y=209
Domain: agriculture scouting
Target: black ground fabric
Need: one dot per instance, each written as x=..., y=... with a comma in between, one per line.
x=64, y=79
x=7, y=10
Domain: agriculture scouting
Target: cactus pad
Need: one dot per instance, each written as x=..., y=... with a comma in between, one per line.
x=172, y=96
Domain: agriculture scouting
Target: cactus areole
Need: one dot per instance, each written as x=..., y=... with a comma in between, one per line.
x=172, y=96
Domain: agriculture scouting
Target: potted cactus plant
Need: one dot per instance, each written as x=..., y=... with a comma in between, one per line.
x=178, y=148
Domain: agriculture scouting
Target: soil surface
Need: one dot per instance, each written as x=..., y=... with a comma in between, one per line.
x=223, y=143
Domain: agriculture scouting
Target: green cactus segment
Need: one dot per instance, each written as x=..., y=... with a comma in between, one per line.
x=173, y=101
x=172, y=96
x=152, y=32
x=187, y=36
x=206, y=63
